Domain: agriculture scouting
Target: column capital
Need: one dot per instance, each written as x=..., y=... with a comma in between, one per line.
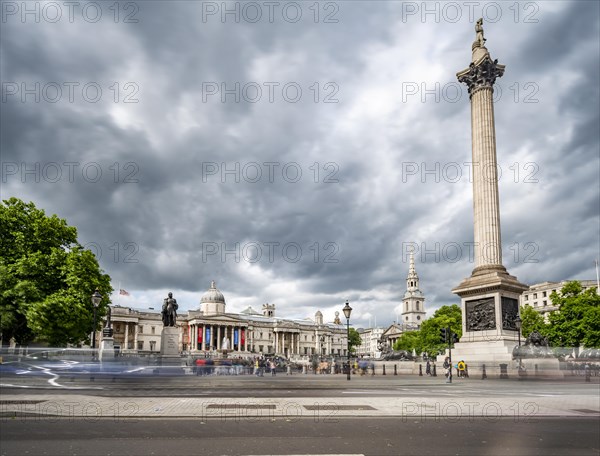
x=481, y=74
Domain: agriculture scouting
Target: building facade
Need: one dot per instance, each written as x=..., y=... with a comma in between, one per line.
x=369, y=339
x=538, y=295
x=211, y=330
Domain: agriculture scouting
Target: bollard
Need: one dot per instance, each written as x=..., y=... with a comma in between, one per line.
x=483, y=374
x=434, y=374
x=536, y=370
x=372, y=369
x=383, y=370
x=420, y=370
x=395, y=369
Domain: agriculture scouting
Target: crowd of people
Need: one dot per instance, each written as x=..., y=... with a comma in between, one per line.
x=462, y=370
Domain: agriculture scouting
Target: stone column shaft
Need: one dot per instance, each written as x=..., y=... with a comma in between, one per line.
x=486, y=205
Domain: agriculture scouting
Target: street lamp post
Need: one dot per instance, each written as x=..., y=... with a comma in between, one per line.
x=96, y=298
x=347, y=311
x=518, y=323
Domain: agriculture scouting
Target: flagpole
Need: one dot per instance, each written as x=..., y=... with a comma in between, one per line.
x=119, y=298
x=597, y=279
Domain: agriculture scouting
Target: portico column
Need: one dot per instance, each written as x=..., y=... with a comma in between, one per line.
x=135, y=337
x=218, y=337
x=126, y=335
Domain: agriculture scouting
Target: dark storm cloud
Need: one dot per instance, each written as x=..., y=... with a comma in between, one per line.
x=173, y=212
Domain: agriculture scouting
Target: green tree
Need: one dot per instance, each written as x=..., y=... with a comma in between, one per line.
x=444, y=317
x=427, y=338
x=576, y=322
x=355, y=339
x=409, y=341
x=532, y=320
x=46, y=278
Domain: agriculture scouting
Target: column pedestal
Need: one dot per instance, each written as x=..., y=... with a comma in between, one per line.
x=106, y=351
x=169, y=346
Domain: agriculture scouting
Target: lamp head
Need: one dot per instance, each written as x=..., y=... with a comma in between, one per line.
x=347, y=310
x=96, y=298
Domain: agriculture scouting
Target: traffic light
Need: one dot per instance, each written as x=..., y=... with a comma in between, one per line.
x=443, y=335
x=454, y=338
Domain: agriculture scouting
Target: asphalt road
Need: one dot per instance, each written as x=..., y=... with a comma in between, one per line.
x=291, y=386
x=268, y=436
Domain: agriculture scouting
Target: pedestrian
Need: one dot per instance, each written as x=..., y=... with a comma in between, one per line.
x=448, y=368
x=428, y=368
x=272, y=366
x=461, y=369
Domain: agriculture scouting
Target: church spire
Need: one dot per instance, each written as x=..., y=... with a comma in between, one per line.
x=412, y=280
x=413, y=303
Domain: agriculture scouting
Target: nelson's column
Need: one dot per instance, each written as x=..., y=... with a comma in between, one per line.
x=490, y=297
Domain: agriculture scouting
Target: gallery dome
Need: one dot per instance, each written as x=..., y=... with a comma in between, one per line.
x=213, y=295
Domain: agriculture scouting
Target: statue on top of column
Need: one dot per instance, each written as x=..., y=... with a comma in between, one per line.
x=479, y=39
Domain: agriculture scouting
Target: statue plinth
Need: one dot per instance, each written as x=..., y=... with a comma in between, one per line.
x=107, y=346
x=169, y=346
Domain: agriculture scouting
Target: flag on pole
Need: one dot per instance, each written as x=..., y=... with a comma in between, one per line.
x=123, y=292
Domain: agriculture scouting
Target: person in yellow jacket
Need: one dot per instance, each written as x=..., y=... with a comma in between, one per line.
x=461, y=369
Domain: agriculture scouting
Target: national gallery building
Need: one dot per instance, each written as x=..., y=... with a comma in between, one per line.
x=213, y=331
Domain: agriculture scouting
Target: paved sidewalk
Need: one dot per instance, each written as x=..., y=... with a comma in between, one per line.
x=317, y=397
x=492, y=408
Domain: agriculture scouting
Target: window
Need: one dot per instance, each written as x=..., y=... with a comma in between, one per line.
x=544, y=294
x=535, y=304
x=140, y=329
x=417, y=305
x=305, y=338
x=526, y=297
x=406, y=318
x=545, y=303
x=140, y=345
x=418, y=317
x=534, y=295
x=153, y=329
x=152, y=345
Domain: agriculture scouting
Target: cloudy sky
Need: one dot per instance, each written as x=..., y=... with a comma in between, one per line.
x=295, y=151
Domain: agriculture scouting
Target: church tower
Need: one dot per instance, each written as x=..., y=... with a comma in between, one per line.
x=413, y=303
